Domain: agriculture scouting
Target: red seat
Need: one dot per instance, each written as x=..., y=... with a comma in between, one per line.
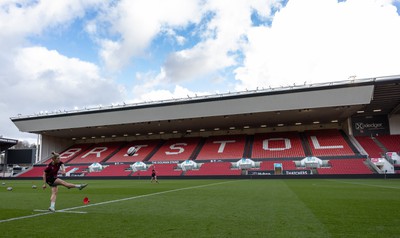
x=328, y=143
x=144, y=149
x=96, y=153
x=176, y=150
x=223, y=147
x=112, y=170
x=277, y=145
x=217, y=168
x=346, y=166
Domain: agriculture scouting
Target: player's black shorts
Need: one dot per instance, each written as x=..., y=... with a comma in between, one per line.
x=50, y=181
x=153, y=175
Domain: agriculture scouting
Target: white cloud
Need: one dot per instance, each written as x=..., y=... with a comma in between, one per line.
x=178, y=92
x=34, y=17
x=66, y=81
x=41, y=80
x=35, y=79
x=153, y=87
x=322, y=41
x=222, y=39
x=136, y=23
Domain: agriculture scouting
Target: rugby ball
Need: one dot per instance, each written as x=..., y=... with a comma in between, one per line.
x=131, y=151
x=9, y=189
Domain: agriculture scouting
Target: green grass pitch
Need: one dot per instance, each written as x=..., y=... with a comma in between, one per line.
x=205, y=208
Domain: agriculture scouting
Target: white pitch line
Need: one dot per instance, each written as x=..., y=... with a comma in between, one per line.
x=113, y=201
x=145, y=195
x=79, y=212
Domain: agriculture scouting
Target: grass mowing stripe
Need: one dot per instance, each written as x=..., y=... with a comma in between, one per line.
x=352, y=209
x=292, y=216
x=364, y=184
x=117, y=200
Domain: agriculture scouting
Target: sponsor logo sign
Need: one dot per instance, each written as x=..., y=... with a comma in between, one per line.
x=370, y=126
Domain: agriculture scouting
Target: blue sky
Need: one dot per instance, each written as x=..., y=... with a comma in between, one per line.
x=71, y=54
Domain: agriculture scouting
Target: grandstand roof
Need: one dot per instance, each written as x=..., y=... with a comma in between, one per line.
x=326, y=103
x=7, y=143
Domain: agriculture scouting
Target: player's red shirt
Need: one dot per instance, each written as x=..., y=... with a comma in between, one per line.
x=52, y=169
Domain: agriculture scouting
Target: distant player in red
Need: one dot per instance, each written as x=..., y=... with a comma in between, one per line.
x=50, y=177
x=154, y=176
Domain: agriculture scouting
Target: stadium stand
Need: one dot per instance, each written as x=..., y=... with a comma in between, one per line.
x=176, y=149
x=145, y=148
x=162, y=170
x=78, y=170
x=70, y=153
x=390, y=142
x=286, y=164
x=217, y=168
x=369, y=145
x=346, y=166
x=277, y=145
x=266, y=148
x=223, y=147
x=112, y=171
x=34, y=172
x=97, y=153
x=344, y=123
x=328, y=143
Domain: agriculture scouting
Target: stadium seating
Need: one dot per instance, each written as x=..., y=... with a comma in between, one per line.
x=369, y=145
x=37, y=171
x=328, y=143
x=161, y=169
x=346, y=166
x=277, y=145
x=176, y=150
x=97, y=153
x=78, y=170
x=145, y=148
x=223, y=147
x=217, y=168
x=265, y=149
x=34, y=172
x=391, y=142
x=70, y=153
x=112, y=170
